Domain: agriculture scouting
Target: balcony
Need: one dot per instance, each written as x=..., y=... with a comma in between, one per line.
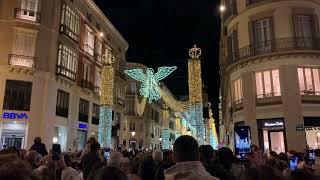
x=87, y=84
x=120, y=102
x=65, y=30
x=21, y=60
x=88, y=49
x=274, y=46
x=238, y=105
x=63, y=112
x=310, y=97
x=268, y=99
x=97, y=90
x=83, y=117
x=66, y=73
x=250, y=2
x=27, y=15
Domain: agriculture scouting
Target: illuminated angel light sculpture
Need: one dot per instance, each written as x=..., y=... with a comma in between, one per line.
x=150, y=81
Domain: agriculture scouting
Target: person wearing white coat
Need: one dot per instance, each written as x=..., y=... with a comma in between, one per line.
x=188, y=165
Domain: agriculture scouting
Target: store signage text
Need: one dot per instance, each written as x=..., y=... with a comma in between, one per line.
x=270, y=124
x=82, y=126
x=12, y=115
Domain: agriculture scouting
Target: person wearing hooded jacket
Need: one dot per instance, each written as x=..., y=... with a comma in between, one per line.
x=188, y=166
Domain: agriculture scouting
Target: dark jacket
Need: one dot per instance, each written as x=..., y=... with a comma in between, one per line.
x=88, y=161
x=40, y=148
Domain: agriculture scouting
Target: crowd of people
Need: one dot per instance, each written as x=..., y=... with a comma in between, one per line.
x=187, y=161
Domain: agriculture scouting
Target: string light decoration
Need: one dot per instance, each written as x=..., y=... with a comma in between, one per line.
x=107, y=85
x=165, y=139
x=213, y=132
x=150, y=82
x=177, y=106
x=140, y=105
x=194, y=75
x=106, y=101
x=105, y=126
x=178, y=124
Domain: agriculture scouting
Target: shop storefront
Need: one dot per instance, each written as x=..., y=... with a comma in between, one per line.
x=272, y=136
x=14, y=129
x=312, y=130
x=82, y=135
x=60, y=136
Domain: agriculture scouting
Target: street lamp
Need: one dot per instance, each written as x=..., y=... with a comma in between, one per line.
x=133, y=133
x=222, y=8
x=160, y=138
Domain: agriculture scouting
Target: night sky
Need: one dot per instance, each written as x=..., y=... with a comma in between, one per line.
x=160, y=32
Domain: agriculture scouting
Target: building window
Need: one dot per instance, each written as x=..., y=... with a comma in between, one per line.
x=86, y=71
x=95, y=114
x=237, y=91
x=309, y=81
x=67, y=62
x=97, y=82
x=124, y=125
x=70, y=23
x=17, y=95
x=132, y=126
x=28, y=10
x=98, y=50
x=268, y=83
x=303, y=26
x=23, y=49
x=262, y=34
x=171, y=126
x=83, y=110
x=62, y=106
x=88, y=41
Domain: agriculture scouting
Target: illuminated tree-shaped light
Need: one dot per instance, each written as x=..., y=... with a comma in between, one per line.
x=150, y=82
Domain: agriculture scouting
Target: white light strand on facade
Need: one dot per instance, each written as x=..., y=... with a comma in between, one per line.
x=165, y=139
x=174, y=104
x=105, y=126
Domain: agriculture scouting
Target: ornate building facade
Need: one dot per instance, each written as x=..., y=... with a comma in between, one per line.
x=270, y=77
x=51, y=58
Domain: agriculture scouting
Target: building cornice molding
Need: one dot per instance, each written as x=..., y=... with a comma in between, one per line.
x=271, y=57
x=247, y=12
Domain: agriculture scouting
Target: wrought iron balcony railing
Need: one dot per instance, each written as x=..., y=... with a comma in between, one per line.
x=21, y=60
x=61, y=111
x=87, y=84
x=88, y=49
x=310, y=96
x=65, y=72
x=250, y=2
x=268, y=99
x=274, y=46
x=27, y=14
x=238, y=105
x=67, y=31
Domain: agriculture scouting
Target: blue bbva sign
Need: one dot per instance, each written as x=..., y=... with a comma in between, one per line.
x=82, y=126
x=14, y=115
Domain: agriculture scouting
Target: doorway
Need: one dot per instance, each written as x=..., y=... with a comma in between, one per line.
x=276, y=141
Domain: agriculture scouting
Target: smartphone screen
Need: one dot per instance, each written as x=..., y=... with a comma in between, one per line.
x=293, y=163
x=311, y=157
x=56, y=151
x=106, y=154
x=242, y=139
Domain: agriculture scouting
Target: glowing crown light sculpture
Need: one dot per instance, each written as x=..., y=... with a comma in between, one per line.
x=195, y=114
x=106, y=101
x=150, y=82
